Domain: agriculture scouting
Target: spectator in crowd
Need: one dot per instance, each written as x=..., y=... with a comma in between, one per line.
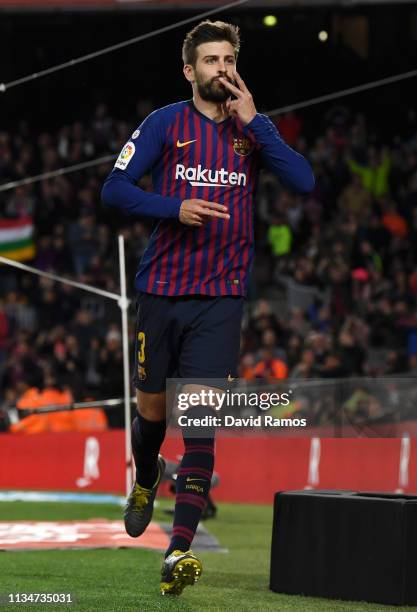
x=375, y=172
x=279, y=237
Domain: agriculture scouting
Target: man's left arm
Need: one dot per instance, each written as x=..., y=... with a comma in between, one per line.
x=291, y=167
x=288, y=165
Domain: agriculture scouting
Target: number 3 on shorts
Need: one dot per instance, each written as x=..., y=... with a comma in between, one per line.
x=141, y=351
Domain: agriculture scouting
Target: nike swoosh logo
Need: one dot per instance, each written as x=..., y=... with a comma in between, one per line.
x=230, y=379
x=183, y=144
x=193, y=479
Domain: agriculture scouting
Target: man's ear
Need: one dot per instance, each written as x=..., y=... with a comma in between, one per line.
x=189, y=73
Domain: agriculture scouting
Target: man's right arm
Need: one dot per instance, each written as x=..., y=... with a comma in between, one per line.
x=135, y=160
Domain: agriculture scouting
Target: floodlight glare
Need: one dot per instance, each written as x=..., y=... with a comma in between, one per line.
x=270, y=21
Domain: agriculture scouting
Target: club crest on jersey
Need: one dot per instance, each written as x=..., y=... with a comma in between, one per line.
x=125, y=156
x=242, y=146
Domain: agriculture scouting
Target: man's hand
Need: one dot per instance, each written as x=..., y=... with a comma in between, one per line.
x=197, y=212
x=244, y=106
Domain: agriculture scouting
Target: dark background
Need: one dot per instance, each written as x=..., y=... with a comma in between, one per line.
x=281, y=65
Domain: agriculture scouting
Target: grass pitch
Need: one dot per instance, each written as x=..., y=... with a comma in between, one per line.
x=104, y=580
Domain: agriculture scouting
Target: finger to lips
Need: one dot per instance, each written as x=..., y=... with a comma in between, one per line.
x=232, y=88
x=226, y=82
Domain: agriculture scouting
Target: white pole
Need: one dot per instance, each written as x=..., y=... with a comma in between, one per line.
x=59, y=279
x=404, y=463
x=124, y=305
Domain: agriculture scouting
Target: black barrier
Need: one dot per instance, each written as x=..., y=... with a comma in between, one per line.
x=345, y=545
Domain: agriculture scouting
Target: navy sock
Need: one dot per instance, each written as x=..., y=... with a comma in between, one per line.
x=192, y=489
x=147, y=438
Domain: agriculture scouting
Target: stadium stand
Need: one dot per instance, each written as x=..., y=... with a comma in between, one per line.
x=334, y=286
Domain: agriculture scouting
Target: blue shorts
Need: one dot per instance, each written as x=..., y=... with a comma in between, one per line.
x=186, y=337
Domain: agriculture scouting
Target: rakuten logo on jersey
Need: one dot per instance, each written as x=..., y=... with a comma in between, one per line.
x=199, y=177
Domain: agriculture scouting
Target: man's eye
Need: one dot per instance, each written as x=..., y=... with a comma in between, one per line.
x=210, y=60
x=231, y=61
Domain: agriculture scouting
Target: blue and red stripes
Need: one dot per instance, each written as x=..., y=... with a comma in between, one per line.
x=199, y=233
x=161, y=238
x=182, y=246
x=213, y=259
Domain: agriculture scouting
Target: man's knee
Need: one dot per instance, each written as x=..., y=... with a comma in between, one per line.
x=151, y=406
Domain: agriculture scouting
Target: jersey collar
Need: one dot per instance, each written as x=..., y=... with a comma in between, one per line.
x=195, y=109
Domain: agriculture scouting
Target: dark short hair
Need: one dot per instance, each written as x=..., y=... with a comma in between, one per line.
x=209, y=31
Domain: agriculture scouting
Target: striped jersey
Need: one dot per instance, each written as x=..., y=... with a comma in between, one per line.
x=191, y=156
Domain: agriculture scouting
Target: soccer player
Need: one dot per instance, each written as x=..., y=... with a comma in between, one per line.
x=204, y=155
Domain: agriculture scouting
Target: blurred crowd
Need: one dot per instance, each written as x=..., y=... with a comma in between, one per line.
x=339, y=267
x=334, y=286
